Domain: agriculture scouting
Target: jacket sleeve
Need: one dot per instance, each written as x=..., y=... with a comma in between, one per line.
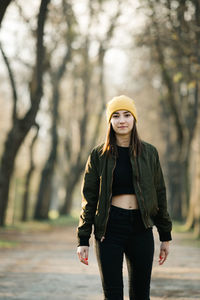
x=89, y=192
x=162, y=219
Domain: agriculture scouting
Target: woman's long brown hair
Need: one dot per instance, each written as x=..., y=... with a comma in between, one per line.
x=110, y=142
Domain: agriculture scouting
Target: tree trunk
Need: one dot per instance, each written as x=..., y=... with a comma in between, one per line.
x=45, y=187
x=44, y=194
x=13, y=142
x=71, y=183
x=26, y=197
x=21, y=127
x=177, y=168
x=193, y=218
x=179, y=188
x=66, y=208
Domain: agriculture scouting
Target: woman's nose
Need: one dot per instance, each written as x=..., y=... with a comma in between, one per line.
x=121, y=120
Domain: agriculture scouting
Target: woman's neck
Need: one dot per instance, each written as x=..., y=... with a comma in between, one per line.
x=123, y=141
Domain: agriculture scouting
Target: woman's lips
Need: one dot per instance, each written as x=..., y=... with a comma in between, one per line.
x=122, y=126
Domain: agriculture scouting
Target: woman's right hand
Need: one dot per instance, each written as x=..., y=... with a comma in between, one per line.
x=82, y=252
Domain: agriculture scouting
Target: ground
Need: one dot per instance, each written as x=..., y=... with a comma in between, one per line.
x=44, y=265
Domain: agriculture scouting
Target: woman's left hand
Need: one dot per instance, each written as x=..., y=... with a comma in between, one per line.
x=164, y=251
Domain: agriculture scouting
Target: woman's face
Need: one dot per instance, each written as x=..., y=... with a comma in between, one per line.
x=122, y=122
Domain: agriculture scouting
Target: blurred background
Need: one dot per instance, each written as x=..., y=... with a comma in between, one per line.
x=61, y=61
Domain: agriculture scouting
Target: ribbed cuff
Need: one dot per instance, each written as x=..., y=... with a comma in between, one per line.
x=165, y=236
x=83, y=241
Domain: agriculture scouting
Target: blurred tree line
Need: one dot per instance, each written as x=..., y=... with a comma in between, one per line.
x=65, y=56
x=172, y=35
x=67, y=70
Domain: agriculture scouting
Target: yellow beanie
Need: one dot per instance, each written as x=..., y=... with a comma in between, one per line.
x=119, y=103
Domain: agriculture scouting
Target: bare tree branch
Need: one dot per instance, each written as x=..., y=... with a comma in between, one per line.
x=12, y=83
x=3, y=6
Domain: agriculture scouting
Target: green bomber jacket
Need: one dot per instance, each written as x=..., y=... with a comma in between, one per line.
x=96, y=193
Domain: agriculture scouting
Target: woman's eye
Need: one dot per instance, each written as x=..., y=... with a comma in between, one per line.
x=116, y=116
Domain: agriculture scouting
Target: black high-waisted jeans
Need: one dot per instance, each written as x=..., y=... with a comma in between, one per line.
x=125, y=234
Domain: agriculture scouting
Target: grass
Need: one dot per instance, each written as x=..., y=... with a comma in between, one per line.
x=8, y=234
x=8, y=244
x=179, y=227
x=64, y=221
x=42, y=225
x=188, y=237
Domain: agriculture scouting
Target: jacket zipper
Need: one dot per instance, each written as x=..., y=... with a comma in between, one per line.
x=109, y=200
x=141, y=193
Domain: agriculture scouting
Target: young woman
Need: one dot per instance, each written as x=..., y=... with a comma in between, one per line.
x=124, y=195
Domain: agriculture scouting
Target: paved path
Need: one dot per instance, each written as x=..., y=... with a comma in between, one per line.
x=45, y=266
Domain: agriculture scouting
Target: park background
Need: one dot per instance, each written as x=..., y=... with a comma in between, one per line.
x=61, y=61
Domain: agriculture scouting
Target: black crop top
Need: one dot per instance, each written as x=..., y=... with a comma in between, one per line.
x=123, y=175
